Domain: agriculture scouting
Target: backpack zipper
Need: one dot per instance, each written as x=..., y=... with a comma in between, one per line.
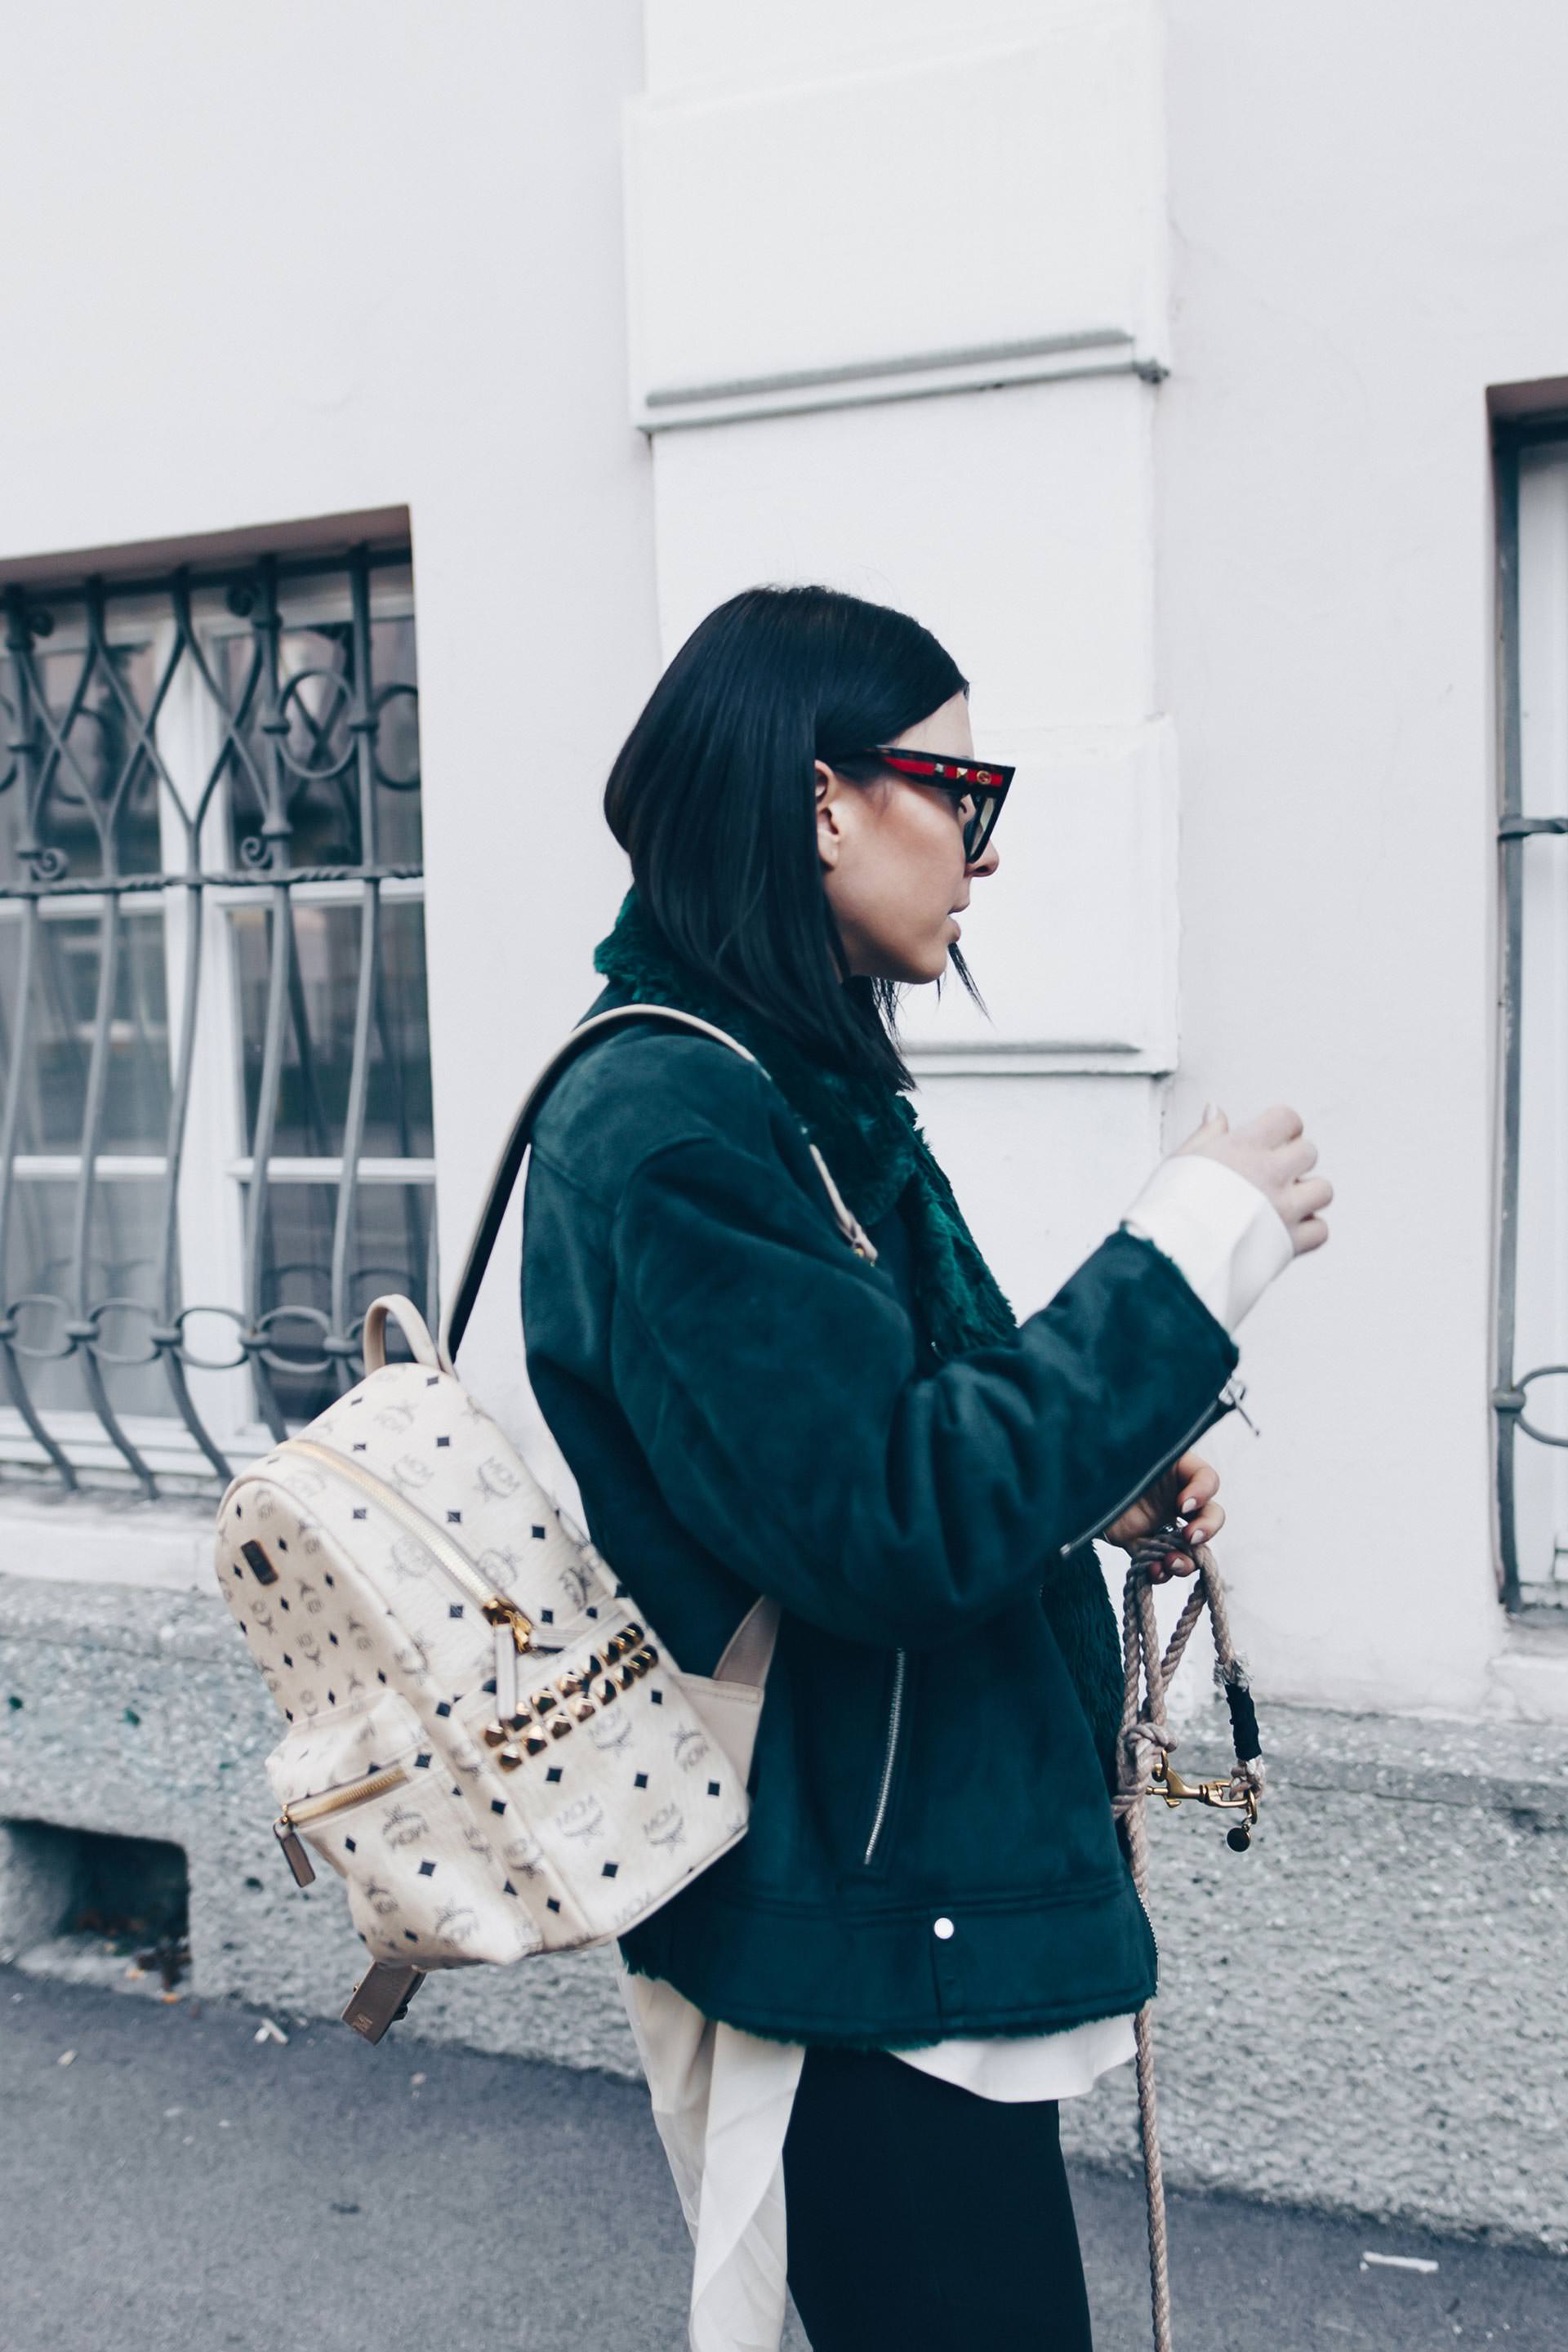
x=513, y=1628
x=1229, y=1401
x=285, y=1829
x=895, y=1717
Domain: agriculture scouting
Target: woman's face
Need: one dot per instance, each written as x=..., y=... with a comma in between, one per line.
x=892, y=857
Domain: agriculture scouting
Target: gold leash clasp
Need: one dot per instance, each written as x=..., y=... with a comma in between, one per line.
x=1225, y=1796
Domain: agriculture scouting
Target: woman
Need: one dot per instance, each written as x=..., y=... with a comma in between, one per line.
x=857, y=2025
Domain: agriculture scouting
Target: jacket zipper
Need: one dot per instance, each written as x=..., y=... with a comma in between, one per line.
x=513, y=1630
x=895, y=1717
x=1229, y=1401
x=285, y=1829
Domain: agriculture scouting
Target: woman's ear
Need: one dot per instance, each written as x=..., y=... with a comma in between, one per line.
x=829, y=834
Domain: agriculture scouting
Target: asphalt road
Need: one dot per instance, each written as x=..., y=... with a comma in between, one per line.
x=178, y=2184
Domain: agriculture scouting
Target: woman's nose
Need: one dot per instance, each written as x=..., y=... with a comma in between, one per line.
x=986, y=863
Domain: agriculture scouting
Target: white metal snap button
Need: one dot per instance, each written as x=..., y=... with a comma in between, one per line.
x=943, y=1927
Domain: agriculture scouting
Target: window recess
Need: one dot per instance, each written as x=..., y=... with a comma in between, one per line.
x=215, y=1070
x=1530, y=1386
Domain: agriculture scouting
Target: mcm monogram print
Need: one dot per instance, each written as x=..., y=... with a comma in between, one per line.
x=582, y=1818
x=496, y=1480
x=501, y=1564
x=667, y=1827
x=458, y=1923
x=404, y=1826
x=609, y=1731
x=408, y=1557
x=576, y=1583
x=524, y=1855
x=690, y=1747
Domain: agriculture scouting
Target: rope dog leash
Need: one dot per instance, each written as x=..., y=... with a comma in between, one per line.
x=1144, y=1771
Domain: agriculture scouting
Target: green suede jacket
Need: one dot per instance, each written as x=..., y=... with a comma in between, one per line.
x=748, y=1407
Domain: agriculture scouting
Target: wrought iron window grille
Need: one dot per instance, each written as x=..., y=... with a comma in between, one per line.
x=1523, y=838
x=215, y=1096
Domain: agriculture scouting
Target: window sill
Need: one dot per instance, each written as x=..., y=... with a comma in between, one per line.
x=107, y=1540
x=1529, y=1675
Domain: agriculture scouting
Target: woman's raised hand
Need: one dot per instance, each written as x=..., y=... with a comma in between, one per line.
x=1274, y=1152
x=1188, y=1489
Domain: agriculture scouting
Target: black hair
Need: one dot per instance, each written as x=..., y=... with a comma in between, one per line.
x=712, y=798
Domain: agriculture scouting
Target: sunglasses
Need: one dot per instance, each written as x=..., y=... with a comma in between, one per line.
x=983, y=783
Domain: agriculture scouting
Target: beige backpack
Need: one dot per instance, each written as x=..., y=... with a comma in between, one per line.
x=487, y=1739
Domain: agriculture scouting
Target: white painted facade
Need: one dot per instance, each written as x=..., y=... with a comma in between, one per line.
x=1142, y=351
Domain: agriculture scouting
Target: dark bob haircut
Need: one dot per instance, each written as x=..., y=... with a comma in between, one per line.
x=712, y=798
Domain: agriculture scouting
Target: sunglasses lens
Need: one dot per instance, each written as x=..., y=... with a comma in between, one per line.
x=977, y=832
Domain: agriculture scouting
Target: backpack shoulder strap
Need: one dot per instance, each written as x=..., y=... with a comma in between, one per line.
x=510, y=1165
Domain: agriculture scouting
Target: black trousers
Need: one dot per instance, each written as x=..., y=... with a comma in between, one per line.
x=925, y=2219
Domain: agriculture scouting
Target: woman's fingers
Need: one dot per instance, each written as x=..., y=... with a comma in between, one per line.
x=1175, y=1563
x=1194, y=1481
x=1278, y=1124
x=1310, y=1195
x=1275, y=1152
x=1303, y=1212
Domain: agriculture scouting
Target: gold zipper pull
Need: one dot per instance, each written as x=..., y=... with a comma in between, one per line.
x=294, y=1853
x=513, y=1635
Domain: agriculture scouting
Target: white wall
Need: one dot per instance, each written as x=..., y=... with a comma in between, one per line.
x=375, y=256
x=912, y=262
x=1369, y=212
x=268, y=265
x=1361, y=234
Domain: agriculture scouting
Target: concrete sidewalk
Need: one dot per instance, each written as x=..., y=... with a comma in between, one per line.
x=180, y=2184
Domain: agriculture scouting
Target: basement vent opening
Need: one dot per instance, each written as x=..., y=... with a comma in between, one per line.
x=96, y=1909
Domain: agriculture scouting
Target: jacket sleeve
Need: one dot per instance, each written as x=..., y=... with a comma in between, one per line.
x=770, y=1377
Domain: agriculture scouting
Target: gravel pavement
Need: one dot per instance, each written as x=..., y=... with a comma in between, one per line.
x=180, y=2184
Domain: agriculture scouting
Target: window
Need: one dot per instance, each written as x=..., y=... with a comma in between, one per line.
x=1531, y=1402
x=215, y=1131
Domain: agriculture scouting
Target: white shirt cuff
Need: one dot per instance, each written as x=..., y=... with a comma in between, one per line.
x=1218, y=1230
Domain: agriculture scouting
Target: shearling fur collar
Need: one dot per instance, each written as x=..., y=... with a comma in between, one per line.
x=868, y=1134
